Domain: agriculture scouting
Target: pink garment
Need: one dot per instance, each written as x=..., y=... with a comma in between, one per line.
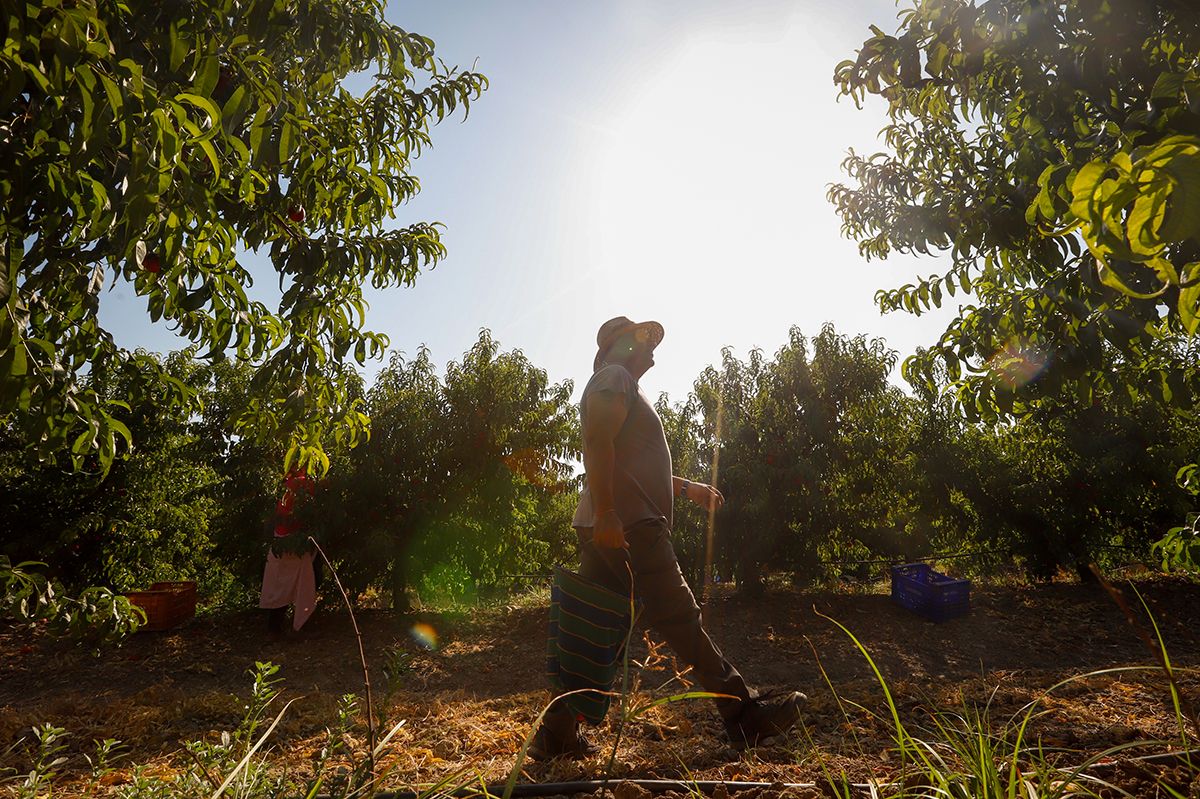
x=288, y=580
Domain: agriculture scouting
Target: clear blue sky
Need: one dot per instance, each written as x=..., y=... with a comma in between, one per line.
x=662, y=160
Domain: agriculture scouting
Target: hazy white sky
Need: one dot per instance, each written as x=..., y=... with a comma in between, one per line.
x=662, y=160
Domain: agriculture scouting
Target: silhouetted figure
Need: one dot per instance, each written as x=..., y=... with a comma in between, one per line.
x=624, y=526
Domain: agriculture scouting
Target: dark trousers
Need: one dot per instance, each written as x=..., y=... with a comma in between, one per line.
x=668, y=606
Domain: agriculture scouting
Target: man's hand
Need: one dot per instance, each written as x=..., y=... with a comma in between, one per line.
x=706, y=496
x=609, y=533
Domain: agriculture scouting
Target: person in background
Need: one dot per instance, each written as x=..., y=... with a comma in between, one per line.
x=623, y=523
x=289, y=578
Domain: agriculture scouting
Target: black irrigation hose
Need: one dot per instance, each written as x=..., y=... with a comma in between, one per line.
x=528, y=789
x=707, y=787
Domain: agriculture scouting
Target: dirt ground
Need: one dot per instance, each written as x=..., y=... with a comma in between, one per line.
x=469, y=702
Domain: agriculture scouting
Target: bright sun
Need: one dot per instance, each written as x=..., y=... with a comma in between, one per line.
x=704, y=176
x=705, y=203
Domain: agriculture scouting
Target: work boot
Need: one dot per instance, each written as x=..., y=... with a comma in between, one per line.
x=764, y=716
x=559, y=736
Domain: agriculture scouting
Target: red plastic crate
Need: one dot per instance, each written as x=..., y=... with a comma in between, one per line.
x=935, y=596
x=166, y=604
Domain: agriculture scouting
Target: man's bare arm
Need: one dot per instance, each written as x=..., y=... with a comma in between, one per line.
x=702, y=494
x=606, y=414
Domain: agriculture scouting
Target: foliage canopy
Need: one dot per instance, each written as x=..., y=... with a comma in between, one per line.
x=466, y=478
x=156, y=144
x=1053, y=150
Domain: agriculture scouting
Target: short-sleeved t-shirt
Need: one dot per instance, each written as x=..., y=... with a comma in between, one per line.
x=642, y=466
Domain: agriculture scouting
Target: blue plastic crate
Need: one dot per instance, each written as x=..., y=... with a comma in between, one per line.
x=935, y=596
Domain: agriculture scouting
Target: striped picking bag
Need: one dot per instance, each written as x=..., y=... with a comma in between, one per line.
x=588, y=628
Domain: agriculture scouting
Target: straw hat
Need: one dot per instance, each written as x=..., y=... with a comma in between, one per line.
x=618, y=326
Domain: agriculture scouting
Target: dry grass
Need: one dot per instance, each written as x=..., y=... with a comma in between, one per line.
x=467, y=706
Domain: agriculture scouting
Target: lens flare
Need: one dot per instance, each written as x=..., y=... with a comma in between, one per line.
x=425, y=636
x=1017, y=364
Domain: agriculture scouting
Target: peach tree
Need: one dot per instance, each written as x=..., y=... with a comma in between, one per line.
x=156, y=144
x=466, y=480
x=1052, y=152
x=810, y=448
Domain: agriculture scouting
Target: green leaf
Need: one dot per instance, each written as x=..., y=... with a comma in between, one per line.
x=19, y=366
x=208, y=72
x=207, y=106
x=288, y=140
x=210, y=153
x=119, y=427
x=1083, y=189
x=1144, y=222
x=1182, y=220
x=179, y=49
x=1111, y=278
x=1167, y=86
x=234, y=110
x=257, y=130
x=193, y=301
x=84, y=442
x=88, y=106
x=115, y=99
x=1189, y=302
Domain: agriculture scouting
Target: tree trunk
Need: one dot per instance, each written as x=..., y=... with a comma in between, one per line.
x=749, y=580
x=400, y=601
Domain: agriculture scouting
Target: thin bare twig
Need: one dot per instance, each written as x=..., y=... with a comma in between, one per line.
x=216, y=784
x=710, y=533
x=362, y=657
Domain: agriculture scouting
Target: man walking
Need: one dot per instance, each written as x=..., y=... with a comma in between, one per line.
x=624, y=526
